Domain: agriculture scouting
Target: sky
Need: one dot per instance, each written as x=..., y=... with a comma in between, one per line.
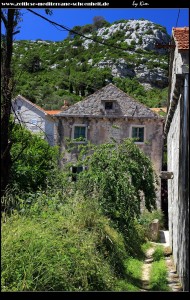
x=33, y=27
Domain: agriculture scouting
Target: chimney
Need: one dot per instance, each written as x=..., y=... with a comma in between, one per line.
x=66, y=105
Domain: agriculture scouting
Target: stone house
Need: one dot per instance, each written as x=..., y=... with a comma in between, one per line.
x=109, y=114
x=35, y=118
x=177, y=135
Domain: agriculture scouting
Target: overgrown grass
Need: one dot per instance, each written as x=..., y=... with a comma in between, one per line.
x=133, y=274
x=54, y=242
x=158, y=273
x=146, y=246
x=134, y=271
x=158, y=276
x=56, y=250
x=158, y=253
x=65, y=246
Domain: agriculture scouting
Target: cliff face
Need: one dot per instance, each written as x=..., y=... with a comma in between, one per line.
x=141, y=38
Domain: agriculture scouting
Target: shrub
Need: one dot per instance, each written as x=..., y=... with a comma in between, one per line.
x=33, y=159
x=140, y=43
x=137, y=26
x=149, y=31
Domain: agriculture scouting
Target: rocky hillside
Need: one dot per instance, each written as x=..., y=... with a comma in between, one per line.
x=123, y=53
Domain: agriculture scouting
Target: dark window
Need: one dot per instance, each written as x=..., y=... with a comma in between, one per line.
x=138, y=133
x=75, y=171
x=80, y=132
x=109, y=105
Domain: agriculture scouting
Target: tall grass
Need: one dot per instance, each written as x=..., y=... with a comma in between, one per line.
x=158, y=276
x=54, y=242
x=158, y=273
x=67, y=247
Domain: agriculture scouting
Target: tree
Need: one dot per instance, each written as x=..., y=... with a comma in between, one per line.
x=72, y=33
x=32, y=64
x=119, y=176
x=99, y=22
x=10, y=19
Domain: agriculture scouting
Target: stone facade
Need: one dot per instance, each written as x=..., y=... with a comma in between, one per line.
x=177, y=134
x=103, y=125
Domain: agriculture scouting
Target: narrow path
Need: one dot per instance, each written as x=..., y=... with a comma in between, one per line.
x=172, y=277
x=146, y=269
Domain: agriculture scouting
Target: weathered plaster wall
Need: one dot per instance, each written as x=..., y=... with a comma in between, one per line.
x=29, y=112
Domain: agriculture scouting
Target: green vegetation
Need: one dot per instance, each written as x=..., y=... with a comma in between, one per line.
x=33, y=159
x=158, y=276
x=158, y=273
x=58, y=246
x=158, y=253
x=88, y=234
x=117, y=175
x=60, y=236
x=48, y=73
x=146, y=219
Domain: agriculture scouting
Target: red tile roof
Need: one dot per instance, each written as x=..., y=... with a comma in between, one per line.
x=159, y=109
x=52, y=112
x=181, y=37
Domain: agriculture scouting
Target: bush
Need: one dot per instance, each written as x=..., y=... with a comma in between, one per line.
x=33, y=159
x=158, y=253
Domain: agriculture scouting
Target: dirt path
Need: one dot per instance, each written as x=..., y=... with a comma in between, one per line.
x=172, y=277
x=146, y=269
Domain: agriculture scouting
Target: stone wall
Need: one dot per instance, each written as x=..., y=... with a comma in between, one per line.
x=177, y=138
x=173, y=166
x=178, y=206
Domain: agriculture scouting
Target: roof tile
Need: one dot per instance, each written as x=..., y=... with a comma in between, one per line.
x=181, y=37
x=52, y=112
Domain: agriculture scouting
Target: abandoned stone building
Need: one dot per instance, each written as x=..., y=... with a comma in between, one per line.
x=109, y=114
x=177, y=136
